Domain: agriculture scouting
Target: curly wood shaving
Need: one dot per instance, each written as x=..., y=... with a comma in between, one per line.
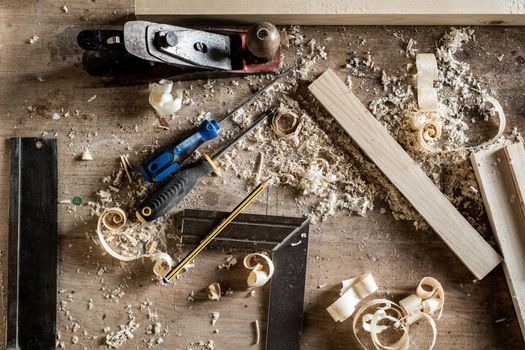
x=114, y=219
x=501, y=118
x=431, y=131
x=260, y=273
x=433, y=299
x=428, y=299
x=352, y=292
x=430, y=125
x=370, y=323
x=402, y=343
x=163, y=99
x=427, y=72
x=214, y=291
x=286, y=124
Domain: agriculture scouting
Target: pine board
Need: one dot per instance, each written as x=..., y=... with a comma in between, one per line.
x=335, y=12
x=496, y=173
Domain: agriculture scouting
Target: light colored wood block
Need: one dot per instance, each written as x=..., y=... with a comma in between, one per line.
x=335, y=12
x=515, y=164
x=501, y=177
x=375, y=140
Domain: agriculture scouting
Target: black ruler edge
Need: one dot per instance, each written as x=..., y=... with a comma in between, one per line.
x=33, y=249
x=286, y=300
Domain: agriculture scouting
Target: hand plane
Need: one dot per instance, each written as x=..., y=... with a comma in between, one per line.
x=146, y=51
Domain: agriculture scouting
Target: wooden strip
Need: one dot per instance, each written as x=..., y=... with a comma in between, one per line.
x=335, y=12
x=515, y=161
x=495, y=174
x=479, y=257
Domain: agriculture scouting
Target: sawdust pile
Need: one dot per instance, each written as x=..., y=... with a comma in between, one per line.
x=310, y=163
x=330, y=172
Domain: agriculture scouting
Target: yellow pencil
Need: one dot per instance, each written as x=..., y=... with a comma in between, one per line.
x=218, y=229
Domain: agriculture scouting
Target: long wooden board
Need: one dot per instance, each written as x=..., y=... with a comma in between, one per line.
x=335, y=12
x=375, y=140
x=496, y=171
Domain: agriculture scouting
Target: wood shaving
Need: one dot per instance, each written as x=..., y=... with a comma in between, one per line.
x=214, y=291
x=163, y=99
x=410, y=50
x=113, y=220
x=256, y=177
x=387, y=315
x=286, y=124
x=371, y=323
x=33, y=39
x=86, y=155
x=229, y=262
x=429, y=299
x=118, y=338
x=214, y=317
x=429, y=130
x=352, y=292
x=257, y=332
x=261, y=273
x=126, y=166
x=427, y=72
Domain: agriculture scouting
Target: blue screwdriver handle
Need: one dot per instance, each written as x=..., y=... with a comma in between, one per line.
x=165, y=161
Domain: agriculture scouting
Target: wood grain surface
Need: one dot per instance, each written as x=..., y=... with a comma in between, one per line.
x=496, y=173
x=336, y=12
x=48, y=75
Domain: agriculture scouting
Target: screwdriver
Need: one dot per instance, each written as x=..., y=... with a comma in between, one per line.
x=167, y=160
x=175, y=189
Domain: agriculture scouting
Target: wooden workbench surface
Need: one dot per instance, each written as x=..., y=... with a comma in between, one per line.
x=48, y=75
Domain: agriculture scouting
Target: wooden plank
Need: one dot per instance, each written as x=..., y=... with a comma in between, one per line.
x=515, y=162
x=495, y=173
x=335, y=12
x=479, y=257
